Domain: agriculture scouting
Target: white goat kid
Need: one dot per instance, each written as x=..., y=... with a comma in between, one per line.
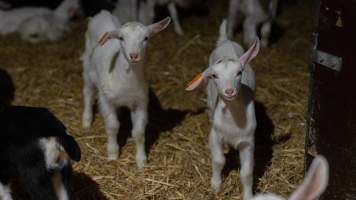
x=230, y=93
x=313, y=185
x=49, y=26
x=254, y=15
x=116, y=70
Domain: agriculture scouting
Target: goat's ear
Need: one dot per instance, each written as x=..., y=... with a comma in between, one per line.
x=315, y=181
x=197, y=80
x=108, y=35
x=159, y=26
x=251, y=53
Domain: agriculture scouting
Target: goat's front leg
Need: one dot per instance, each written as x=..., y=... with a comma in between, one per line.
x=246, y=151
x=139, y=122
x=112, y=126
x=174, y=14
x=217, y=158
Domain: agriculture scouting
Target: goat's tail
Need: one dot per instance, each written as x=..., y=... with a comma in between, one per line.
x=222, y=33
x=70, y=146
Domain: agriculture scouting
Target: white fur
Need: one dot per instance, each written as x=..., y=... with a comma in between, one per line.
x=50, y=26
x=5, y=192
x=12, y=19
x=313, y=185
x=53, y=153
x=119, y=79
x=232, y=114
x=59, y=188
x=251, y=14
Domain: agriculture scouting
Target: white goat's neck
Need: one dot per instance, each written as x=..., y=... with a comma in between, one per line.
x=238, y=106
x=126, y=67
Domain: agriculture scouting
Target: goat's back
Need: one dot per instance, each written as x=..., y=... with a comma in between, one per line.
x=102, y=22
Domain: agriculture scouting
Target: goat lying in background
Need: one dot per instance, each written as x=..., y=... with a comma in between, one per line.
x=313, y=186
x=116, y=69
x=36, y=148
x=230, y=91
x=49, y=26
x=12, y=19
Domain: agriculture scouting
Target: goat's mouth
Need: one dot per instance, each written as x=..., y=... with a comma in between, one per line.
x=230, y=98
x=134, y=61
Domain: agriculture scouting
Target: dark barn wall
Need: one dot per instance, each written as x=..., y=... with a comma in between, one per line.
x=18, y=3
x=332, y=109
x=90, y=7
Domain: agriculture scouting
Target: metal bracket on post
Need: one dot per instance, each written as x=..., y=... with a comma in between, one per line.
x=328, y=60
x=322, y=58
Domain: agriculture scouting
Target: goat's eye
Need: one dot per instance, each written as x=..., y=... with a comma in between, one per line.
x=239, y=73
x=121, y=38
x=214, y=76
x=145, y=39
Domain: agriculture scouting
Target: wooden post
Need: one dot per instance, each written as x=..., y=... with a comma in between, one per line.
x=332, y=105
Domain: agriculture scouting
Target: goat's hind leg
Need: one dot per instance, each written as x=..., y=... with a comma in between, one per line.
x=139, y=122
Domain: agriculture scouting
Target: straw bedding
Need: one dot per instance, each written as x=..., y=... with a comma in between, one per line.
x=50, y=75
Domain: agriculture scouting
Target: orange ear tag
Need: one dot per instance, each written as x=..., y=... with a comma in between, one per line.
x=103, y=38
x=195, y=79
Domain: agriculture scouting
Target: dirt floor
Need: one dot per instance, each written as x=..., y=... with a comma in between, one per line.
x=50, y=75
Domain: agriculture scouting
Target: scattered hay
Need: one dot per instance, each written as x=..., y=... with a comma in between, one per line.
x=50, y=75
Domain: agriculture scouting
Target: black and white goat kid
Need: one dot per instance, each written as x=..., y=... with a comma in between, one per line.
x=36, y=148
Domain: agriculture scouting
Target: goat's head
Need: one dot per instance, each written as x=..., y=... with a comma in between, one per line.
x=227, y=73
x=133, y=37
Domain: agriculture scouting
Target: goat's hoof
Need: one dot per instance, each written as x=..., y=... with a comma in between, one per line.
x=140, y=162
x=247, y=196
x=179, y=31
x=216, y=184
x=264, y=43
x=113, y=156
x=86, y=125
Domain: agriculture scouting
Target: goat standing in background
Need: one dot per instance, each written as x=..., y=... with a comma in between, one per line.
x=144, y=10
x=230, y=91
x=251, y=14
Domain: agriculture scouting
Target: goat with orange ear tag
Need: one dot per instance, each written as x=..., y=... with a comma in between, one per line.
x=230, y=90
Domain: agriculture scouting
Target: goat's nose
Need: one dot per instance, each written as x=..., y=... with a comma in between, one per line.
x=229, y=91
x=133, y=56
